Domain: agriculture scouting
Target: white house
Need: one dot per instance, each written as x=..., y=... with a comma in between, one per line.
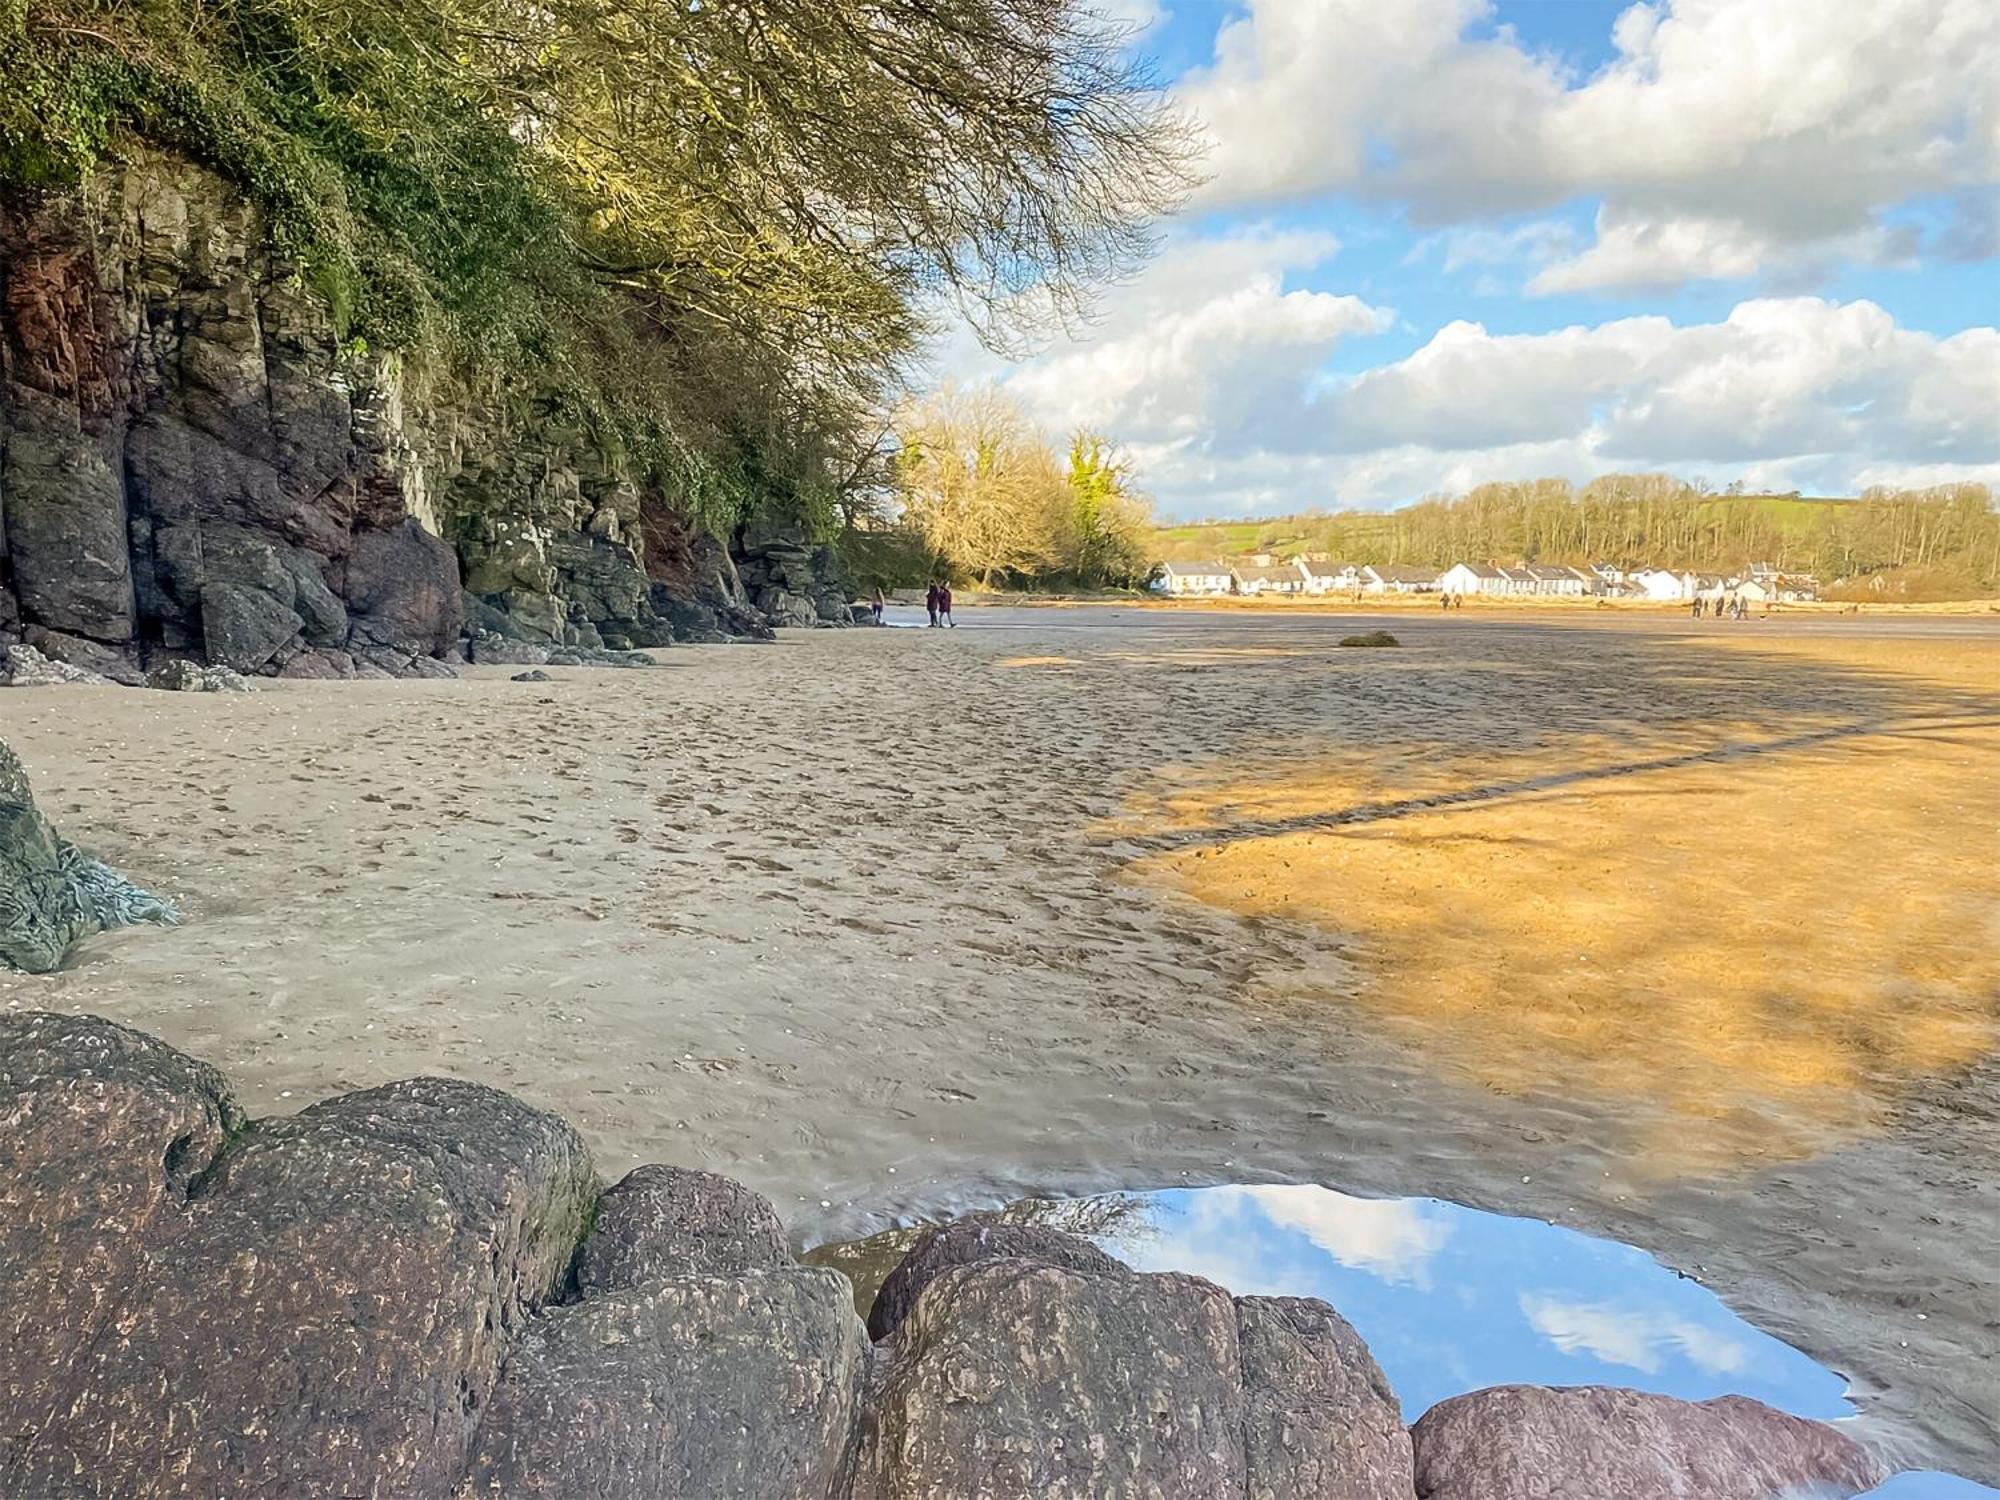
x=1547, y=578
x=1269, y=577
x=1324, y=577
x=1193, y=578
x=1470, y=578
x=1392, y=578
x=1663, y=585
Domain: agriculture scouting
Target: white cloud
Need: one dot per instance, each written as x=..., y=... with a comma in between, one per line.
x=1217, y=391
x=1723, y=138
x=1394, y=1239
x=1635, y=1340
x=1206, y=344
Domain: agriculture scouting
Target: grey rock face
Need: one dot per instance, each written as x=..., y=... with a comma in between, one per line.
x=243, y=628
x=741, y=1385
x=966, y=1242
x=94, y=657
x=65, y=514
x=669, y=1221
x=23, y=666
x=1320, y=1419
x=192, y=677
x=1013, y=1380
x=332, y=1315
x=489, y=649
x=101, y=1131
x=402, y=588
x=52, y=895
x=1599, y=1443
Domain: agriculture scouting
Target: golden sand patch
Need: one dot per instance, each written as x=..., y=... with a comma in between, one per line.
x=1751, y=938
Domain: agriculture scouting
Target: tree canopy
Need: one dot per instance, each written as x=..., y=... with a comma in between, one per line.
x=718, y=226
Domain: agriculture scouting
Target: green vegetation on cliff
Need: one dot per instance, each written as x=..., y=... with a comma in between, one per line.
x=715, y=231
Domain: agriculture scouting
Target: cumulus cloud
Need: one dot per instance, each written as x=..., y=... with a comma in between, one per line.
x=1723, y=139
x=1207, y=345
x=1215, y=384
x=1393, y=1239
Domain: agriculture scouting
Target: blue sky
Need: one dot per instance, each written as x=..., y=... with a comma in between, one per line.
x=1448, y=241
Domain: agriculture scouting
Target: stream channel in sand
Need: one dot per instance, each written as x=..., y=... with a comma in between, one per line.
x=1684, y=933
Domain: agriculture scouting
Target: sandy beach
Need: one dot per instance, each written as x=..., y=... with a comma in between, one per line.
x=1683, y=932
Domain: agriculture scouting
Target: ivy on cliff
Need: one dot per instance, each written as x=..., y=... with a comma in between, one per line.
x=714, y=230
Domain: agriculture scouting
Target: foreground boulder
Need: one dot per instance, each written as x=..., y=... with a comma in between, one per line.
x=52, y=895
x=667, y=1221
x=330, y=1314
x=1518, y=1442
x=1025, y=1362
x=101, y=1132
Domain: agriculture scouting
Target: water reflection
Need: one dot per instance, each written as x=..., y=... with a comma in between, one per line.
x=1450, y=1299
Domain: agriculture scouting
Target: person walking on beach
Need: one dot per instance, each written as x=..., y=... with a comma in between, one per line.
x=931, y=604
x=878, y=604
x=944, y=606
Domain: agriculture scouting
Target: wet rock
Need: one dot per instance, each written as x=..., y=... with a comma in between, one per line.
x=670, y=1221
x=332, y=1317
x=533, y=675
x=52, y=894
x=101, y=1131
x=1526, y=1442
x=24, y=666
x=597, y=656
x=1015, y=1380
x=1320, y=1421
x=967, y=1241
x=193, y=677
x=742, y=1385
x=94, y=657
x=1371, y=638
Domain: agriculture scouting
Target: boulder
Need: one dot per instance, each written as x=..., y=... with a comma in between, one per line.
x=734, y=1385
x=52, y=895
x=534, y=674
x=1018, y=1380
x=967, y=1241
x=1320, y=1420
x=488, y=648
x=23, y=666
x=243, y=627
x=670, y=1221
x=333, y=1315
x=1517, y=1442
x=402, y=590
x=192, y=677
x=94, y=657
x=101, y=1132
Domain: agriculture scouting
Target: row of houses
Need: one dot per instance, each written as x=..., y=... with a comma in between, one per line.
x=1759, y=584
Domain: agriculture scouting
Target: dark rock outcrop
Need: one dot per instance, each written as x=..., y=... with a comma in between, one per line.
x=194, y=461
x=52, y=894
x=1512, y=1442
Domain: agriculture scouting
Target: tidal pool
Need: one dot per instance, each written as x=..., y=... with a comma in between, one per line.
x=1450, y=1299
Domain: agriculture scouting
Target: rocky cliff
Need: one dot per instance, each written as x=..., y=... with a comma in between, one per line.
x=195, y=463
x=420, y=1290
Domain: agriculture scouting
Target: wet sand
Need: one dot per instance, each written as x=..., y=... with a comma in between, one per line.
x=1679, y=931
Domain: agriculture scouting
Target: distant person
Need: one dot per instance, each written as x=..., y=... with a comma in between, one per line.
x=931, y=604
x=944, y=607
x=878, y=605
x=1698, y=604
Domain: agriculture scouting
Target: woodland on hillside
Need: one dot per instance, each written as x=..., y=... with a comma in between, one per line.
x=1940, y=542
x=711, y=234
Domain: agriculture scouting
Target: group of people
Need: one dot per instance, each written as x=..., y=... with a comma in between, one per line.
x=937, y=600
x=1731, y=608
x=1451, y=601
